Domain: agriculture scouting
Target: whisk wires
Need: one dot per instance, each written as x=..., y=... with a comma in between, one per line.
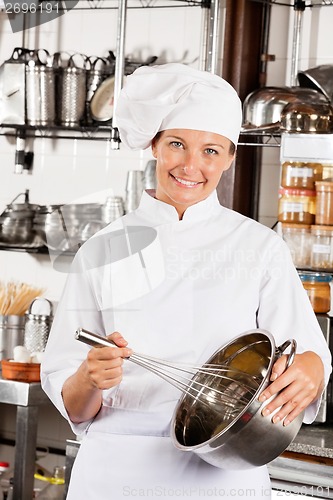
x=226, y=388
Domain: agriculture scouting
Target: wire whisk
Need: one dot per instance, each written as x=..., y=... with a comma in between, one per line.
x=220, y=386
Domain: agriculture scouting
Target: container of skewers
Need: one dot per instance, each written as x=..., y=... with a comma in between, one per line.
x=15, y=299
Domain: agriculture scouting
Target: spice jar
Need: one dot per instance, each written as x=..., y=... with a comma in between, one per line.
x=298, y=239
x=322, y=247
x=301, y=175
x=297, y=205
x=318, y=289
x=327, y=172
x=324, y=208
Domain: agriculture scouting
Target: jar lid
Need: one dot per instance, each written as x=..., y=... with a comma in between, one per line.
x=315, y=277
x=4, y=464
x=324, y=185
x=325, y=229
x=297, y=192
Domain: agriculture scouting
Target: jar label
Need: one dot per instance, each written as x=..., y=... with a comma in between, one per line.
x=301, y=172
x=321, y=248
x=289, y=206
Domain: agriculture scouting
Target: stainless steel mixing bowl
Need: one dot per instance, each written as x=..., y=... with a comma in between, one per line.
x=240, y=438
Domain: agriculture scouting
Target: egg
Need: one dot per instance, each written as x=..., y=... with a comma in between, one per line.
x=21, y=354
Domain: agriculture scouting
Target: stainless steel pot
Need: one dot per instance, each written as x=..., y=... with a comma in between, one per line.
x=47, y=223
x=16, y=221
x=263, y=107
x=307, y=118
x=248, y=439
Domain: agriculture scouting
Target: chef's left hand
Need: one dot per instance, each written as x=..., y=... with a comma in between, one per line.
x=301, y=384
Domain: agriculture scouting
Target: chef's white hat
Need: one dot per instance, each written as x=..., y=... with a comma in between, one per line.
x=169, y=96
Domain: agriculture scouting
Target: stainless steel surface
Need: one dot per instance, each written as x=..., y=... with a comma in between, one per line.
x=133, y=190
x=319, y=78
x=222, y=388
x=247, y=439
x=16, y=221
x=71, y=93
x=301, y=477
x=212, y=35
x=149, y=175
x=323, y=412
x=21, y=393
x=72, y=448
x=37, y=327
x=11, y=334
x=307, y=118
x=219, y=409
x=13, y=88
x=119, y=64
x=112, y=209
x=27, y=398
x=263, y=107
x=40, y=82
x=296, y=45
x=310, y=476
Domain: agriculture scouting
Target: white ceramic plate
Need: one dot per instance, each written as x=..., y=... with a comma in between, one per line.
x=101, y=105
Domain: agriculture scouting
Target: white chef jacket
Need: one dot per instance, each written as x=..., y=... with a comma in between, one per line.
x=177, y=290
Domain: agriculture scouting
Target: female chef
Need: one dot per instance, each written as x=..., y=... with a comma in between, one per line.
x=175, y=279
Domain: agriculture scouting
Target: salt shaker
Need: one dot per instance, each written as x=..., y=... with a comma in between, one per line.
x=37, y=326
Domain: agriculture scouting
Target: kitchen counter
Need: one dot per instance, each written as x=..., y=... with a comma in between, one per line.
x=27, y=397
x=306, y=467
x=315, y=440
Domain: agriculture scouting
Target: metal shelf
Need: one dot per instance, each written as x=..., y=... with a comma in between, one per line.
x=264, y=139
x=132, y=4
x=93, y=132
x=104, y=133
x=59, y=6
x=301, y=4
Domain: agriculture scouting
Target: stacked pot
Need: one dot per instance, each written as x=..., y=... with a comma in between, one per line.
x=16, y=222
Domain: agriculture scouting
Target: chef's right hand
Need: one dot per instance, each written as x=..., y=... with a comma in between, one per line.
x=104, y=364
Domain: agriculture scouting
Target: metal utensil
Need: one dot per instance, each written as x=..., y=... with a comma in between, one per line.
x=229, y=388
x=319, y=78
x=40, y=90
x=263, y=107
x=218, y=416
x=247, y=439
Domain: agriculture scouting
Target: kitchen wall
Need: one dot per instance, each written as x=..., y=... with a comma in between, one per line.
x=68, y=170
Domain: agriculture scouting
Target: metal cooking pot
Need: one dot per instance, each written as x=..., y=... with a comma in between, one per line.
x=263, y=107
x=307, y=118
x=16, y=221
x=235, y=438
x=47, y=222
x=319, y=78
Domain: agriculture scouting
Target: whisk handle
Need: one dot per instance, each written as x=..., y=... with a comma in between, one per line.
x=93, y=339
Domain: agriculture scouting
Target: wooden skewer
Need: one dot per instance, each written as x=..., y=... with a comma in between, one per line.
x=15, y=298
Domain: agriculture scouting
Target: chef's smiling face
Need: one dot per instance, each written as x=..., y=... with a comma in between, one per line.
x=189, y=165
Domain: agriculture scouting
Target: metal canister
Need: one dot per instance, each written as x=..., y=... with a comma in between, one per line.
x=71, y=94
x=40, y=88
x=11, y=334
x=37, y=328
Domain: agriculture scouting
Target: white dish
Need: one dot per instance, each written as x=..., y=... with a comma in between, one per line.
x=101, y=105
